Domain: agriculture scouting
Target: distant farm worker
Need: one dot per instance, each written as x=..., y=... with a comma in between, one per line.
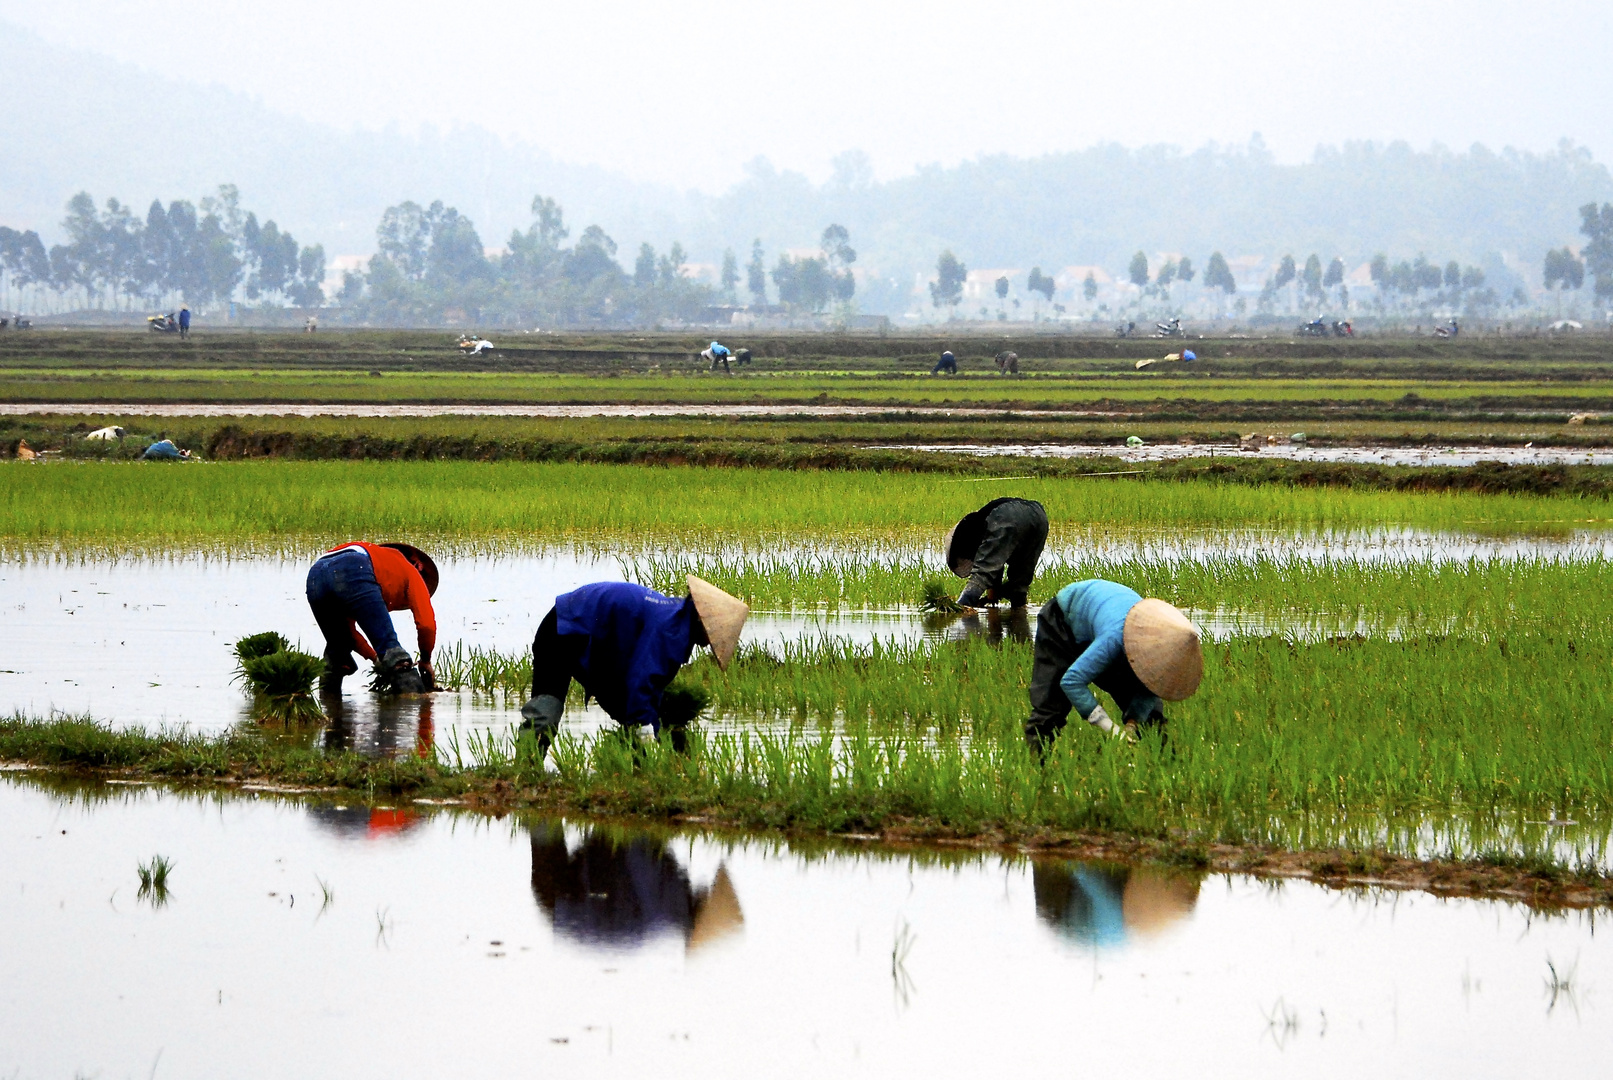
x=995, y=550
x=717, y=353
x=1138, y=651
x=1007, y=363
x=165, y=450
x=742, y=357
x=623, y=643
x=352, y=589
x=948, y=363
x=184, y=322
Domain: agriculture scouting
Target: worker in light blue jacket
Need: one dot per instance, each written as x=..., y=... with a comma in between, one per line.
x=1140, y=652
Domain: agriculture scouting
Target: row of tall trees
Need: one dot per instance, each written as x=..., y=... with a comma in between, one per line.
x=198, y=254
x=430, y=266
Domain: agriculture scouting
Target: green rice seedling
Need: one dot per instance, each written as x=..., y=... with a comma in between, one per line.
x=937, y=597
x=154, y=880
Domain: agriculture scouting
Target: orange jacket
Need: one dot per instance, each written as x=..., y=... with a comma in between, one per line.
x=401, y=587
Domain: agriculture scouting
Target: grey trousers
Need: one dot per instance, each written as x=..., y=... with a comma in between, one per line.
x=1056, y=649
x=1007, y=556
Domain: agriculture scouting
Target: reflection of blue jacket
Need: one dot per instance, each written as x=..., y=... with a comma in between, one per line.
x=1096, y=612
x=637, y=641
x=718, y=349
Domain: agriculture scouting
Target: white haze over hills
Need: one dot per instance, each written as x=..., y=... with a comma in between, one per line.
x=318, y=114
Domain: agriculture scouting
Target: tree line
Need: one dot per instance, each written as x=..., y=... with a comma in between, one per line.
x=430, y=267
x=197, y=254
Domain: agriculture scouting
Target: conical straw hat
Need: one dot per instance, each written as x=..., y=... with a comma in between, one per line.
x=722, y=616
x=1163, y=648
x=962, y=567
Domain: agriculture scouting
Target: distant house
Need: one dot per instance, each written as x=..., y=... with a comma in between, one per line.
x=981, y=285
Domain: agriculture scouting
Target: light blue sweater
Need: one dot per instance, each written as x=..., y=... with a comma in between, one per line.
x=1096, y=611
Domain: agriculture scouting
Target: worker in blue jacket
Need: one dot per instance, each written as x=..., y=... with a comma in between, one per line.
x=1140, y=652
x=624, y=643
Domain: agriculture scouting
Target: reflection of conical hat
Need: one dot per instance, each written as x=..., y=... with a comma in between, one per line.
x=1163, y=648
x=1154, y=901
x=718, y=914
x=722, y=616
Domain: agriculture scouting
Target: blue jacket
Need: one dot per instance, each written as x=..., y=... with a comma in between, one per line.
x=1096, y=612
x=718, y=349
x=184, y=318
x=637, y=640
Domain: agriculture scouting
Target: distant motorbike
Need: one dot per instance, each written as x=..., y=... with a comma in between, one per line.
x=1315, y=328
x=1169, y=329
x=163, y=324
x=1343, y=329
x=17, y=322
x=1125, y=329
x=1449, y=330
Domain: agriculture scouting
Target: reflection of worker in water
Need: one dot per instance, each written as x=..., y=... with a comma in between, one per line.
x=1108, y=905
x=626, y=893
x=382, y=727
x=995, y=549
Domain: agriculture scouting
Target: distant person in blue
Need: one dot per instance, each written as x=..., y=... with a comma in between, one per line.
x=717, y=353
x=184, y=322
x=624, y=643
x=948, y=363
x=1140, y=652
x=165, y=450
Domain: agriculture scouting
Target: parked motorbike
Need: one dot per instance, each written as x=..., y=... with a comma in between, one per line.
x=1125, y=329
x=22, y=324
x=1315, y=328
x=1343, y=328
x=1449, y=330
x=163, y=324
x=1169, y=329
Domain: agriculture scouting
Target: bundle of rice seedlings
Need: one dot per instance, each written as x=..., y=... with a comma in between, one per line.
x=281, y=680
x=254, y=646
x=682, y=704
x=937, y=597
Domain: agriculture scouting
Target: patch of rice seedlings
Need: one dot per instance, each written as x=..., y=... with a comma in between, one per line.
x=154, y=880
x=254, y=646
x=683, y=703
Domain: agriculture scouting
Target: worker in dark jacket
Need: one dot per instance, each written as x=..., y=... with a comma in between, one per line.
x=995, y=549
x=1140, y=652
x=624, y=643
x=948, y=363
x=353, y=588
x=184, y=322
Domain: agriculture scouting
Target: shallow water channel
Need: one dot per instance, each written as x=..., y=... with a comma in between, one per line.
x=319, y=940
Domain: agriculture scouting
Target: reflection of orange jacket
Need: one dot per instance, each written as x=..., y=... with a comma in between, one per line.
x=401, y=587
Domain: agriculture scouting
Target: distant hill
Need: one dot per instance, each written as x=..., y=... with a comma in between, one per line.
x=75, y=121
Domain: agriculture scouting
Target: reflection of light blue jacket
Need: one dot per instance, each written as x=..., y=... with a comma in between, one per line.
x=1096, y=612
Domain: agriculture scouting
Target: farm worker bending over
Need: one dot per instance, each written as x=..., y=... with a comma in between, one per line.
x=353, y=587
x=1136, y=650
x=717, y=353
x=995, y=549
x=624, y=643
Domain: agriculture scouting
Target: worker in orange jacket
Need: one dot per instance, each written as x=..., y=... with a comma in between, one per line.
x=352, y=588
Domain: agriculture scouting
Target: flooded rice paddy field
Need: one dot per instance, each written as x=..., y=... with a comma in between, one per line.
x=146, y=639
x=1424, y=456
x=324, y=939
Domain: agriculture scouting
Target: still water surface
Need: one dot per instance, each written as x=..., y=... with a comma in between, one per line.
x=455, y=945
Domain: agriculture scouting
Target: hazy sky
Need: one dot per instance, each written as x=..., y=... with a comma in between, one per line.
x=686, y=93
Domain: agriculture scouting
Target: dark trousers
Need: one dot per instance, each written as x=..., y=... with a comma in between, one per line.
x=554, y=658
x=342, y=590
x=1056, y=649
x=1005, y=561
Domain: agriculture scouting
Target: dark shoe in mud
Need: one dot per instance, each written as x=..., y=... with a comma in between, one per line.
x=543, y=734
x=1038, y=741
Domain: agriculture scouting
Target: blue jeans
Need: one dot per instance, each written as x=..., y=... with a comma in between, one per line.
x=342, y=589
